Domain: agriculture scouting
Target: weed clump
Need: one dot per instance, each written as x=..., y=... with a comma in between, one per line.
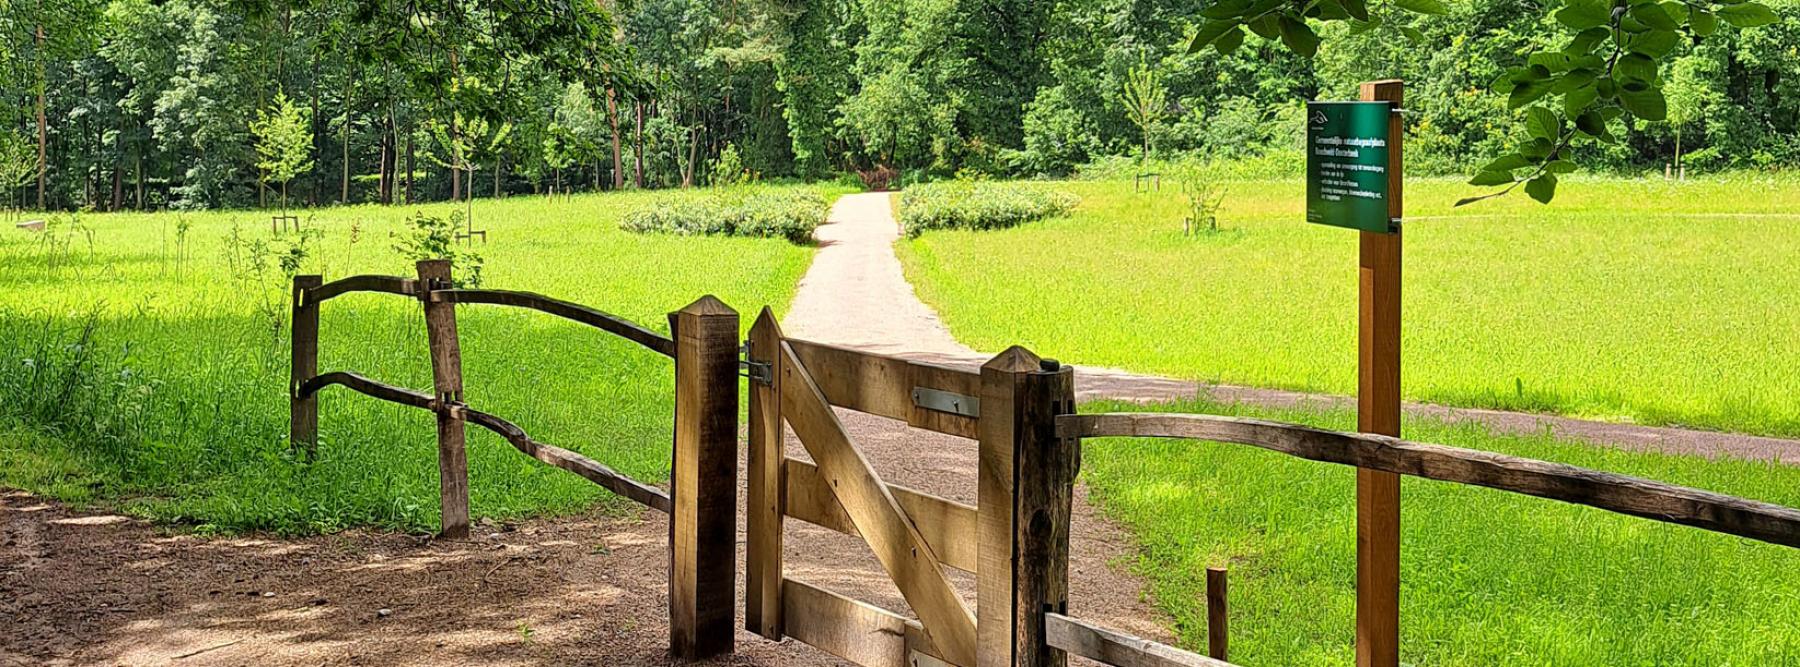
x=979, y=205
x=732, y=212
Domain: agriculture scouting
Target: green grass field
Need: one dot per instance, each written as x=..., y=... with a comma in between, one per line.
x=1488, y=577
x=1641, y=301
x=131, y=377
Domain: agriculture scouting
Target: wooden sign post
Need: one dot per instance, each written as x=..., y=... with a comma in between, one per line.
x=1378, y=411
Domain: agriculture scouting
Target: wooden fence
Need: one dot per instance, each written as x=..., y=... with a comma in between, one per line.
x=702, y=500
x=1015, y=541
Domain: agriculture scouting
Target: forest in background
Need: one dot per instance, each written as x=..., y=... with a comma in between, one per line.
x=174, y=104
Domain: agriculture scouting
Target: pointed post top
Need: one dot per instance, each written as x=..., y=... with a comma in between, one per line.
x=1015, y=359
x=708, y=306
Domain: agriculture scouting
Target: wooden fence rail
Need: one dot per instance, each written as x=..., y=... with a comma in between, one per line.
x=702, y=499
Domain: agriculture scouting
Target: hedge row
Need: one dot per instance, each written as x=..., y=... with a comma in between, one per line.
x=979, y=205
x=792, y=215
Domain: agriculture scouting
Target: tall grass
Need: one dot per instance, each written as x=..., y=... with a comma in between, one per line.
x=1632, y=300
x=151, y=369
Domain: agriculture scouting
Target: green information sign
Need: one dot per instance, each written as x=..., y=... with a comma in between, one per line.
x=1347, y=165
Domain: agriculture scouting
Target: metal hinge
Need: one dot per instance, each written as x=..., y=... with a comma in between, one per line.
x=944, y=401
x=760, y=372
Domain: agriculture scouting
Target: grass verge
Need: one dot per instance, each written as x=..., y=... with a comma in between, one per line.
x=148, y=366
x=1488, y=577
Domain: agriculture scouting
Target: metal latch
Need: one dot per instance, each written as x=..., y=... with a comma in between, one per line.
x=943, y=401
x=760, y=372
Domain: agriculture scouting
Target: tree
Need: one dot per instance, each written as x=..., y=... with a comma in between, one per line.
x=18, y=164
x=1691, y=94
x=1145, y=97
x=283, y=142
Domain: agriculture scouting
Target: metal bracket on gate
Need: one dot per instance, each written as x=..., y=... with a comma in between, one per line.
x=760, y=372
x=943, y=401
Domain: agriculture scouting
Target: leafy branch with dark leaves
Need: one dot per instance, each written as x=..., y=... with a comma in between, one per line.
x=1636, y=36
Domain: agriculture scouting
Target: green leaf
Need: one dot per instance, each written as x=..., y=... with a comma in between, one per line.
x=1423, y=6
x=1542, y=188
x=1359, y=9
x=1647, y=104
x=1298, y=36
x=1486, y=178
x=1586, y=41
x=1551, y=60
x=1542, y=123
x=1412, y=34
x=1577, y=100
x=1559, y=167
x=1503, y=83
x=1470, y=200
x=1210, y=32
x=1227, y=9
x=1748, y=15
x=1507, y=162
x=1537, y=149
x=1656, y=43
x=1654, y=16
x=1591, y=123
x=1703, y=22
x=1360, y=27
x=1267, y=27
x=1636, y=67
x=1580, y=78
x=1584, y=14
x=1527, y=92
x=1230, y=41
x=1329, y=10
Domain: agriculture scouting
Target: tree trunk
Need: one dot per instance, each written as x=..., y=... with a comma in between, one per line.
x=409, y=163
x=637, y=178
x=612, y=116
x=499, y=159
x=313, y=191
x=349, y=91
x=43, y=74
x=139, y=181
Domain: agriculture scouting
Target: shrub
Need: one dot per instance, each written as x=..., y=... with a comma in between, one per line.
x=978, y=205
x=789, y=215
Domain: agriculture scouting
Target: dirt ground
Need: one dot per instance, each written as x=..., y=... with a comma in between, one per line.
x=99, y=589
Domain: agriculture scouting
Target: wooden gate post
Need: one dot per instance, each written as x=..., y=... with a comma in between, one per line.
x=1378, y=411
x=303, y=412
x=703, y=527
x=446, y=378
x=767, y=489
x=1026, y=479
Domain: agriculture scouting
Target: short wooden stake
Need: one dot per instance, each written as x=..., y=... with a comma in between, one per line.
x=303, y=412
x=1026, y=484
x=703, y=527
x=1218, y=615
x=766, y=494
x=446, y=377
x=1378, y=411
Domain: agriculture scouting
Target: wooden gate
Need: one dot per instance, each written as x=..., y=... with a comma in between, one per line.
x=1015, y=541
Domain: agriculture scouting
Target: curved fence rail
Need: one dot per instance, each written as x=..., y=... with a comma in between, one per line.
x=1608, y=491
x=589, y=469
x=607, y=322
x=368, y=283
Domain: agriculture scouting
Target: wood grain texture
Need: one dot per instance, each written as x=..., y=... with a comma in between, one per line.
x=1002, y=379
x=878, y=516
x=1218, y=614
x=1635, y=496
x=303, y=411
x=703, y=526
x=363, y=283
x=446, y=377
x=1378, y=411
x=882, y=385
x=1116, y=648
x=949, y=527
x=854, y=630
x=766, y=494
x=607, y=322
x=1044, y=468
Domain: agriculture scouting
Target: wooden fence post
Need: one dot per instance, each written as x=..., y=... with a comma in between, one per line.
x=1026, y=477
x=446, y=377
x=703, y=527
x=303, y=412
x=1378, y=411
x=1218, y=615
x=767, y=490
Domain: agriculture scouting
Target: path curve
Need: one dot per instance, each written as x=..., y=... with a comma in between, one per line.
x=855, y=294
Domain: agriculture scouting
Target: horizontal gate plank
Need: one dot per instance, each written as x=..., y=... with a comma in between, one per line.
x=1093, y=642
x=947, y=526
x=882, y=385
x=851, y=629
